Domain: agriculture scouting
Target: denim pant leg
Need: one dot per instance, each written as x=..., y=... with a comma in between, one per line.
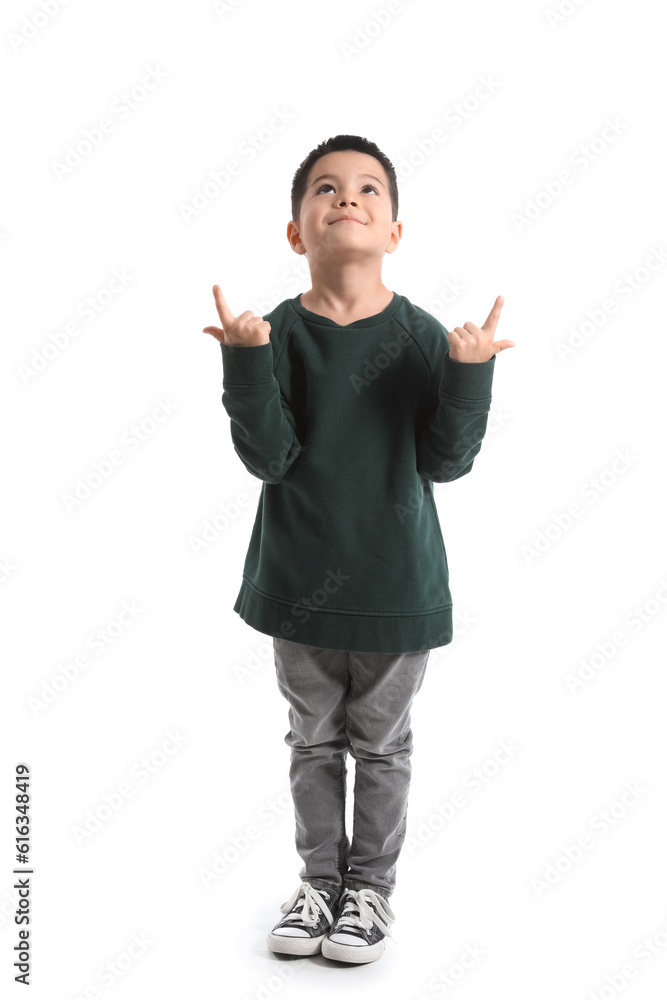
x=315, y=682
x=378, y=727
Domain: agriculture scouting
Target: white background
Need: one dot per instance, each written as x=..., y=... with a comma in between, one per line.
x=526, y=621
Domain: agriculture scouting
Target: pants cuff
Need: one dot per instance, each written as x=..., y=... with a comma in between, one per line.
x=379, y=889
x=322, y=883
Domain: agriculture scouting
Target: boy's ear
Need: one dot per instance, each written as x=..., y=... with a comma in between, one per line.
x=395, y=238
x=294, y=237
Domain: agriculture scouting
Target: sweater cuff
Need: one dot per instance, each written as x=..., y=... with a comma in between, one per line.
x=251, y=365
x=467, y=379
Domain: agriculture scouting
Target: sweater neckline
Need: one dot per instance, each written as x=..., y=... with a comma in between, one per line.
x=318, y=320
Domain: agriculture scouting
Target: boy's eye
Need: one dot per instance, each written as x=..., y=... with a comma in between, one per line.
x=327, y=185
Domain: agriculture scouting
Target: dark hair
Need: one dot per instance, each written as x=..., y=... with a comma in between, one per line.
x=333, y=145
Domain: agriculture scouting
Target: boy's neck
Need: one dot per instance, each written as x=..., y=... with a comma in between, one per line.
x=344, y=298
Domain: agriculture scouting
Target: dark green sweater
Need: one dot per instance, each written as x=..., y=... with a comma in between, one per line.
x=348, y=427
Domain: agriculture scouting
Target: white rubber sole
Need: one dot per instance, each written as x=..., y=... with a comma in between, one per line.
x=351, y=952
x=288, y=945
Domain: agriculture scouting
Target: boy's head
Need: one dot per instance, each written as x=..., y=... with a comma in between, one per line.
x=346, y=175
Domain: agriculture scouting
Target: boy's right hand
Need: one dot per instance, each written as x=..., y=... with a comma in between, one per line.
x=246, y=330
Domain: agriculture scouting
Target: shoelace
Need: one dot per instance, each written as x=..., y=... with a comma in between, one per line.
x=365, y=917
x=307, y=907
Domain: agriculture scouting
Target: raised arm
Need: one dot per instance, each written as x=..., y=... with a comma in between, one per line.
x=263, y=427
x=459, y=399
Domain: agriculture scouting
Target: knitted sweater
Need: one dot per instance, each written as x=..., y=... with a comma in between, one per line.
x=349, y=427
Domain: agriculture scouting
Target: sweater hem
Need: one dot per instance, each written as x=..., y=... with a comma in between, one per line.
x=362, y=632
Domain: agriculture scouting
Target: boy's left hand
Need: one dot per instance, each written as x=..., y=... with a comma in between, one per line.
x=470, y=343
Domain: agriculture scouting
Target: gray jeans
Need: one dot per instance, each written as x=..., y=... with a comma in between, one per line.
x=340, y=701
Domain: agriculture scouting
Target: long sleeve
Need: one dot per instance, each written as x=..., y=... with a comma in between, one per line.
x=262, y=425
x=456, y=416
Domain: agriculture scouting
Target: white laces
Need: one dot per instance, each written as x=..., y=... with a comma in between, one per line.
x=357, y=913
x=308, y=907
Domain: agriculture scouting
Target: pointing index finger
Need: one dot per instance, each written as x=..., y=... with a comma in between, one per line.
x=491, y=320
x=224, y=312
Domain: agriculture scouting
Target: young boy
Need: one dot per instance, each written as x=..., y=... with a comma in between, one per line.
x=348, y=402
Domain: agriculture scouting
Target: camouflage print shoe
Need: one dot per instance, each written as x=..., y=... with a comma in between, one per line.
x=309, y=916
x=358, y=935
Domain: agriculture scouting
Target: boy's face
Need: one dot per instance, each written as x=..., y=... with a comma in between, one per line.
x=339, y=185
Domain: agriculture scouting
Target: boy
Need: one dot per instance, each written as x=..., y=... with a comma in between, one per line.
x=348, y=401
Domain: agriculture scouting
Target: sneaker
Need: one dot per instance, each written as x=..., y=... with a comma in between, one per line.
x=308, y=918
x=358, y=934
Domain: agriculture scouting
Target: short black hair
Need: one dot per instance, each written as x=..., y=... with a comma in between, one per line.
x=334, y=145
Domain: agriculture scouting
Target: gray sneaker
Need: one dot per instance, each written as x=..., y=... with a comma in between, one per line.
x=362, y=924
x=309, y=916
